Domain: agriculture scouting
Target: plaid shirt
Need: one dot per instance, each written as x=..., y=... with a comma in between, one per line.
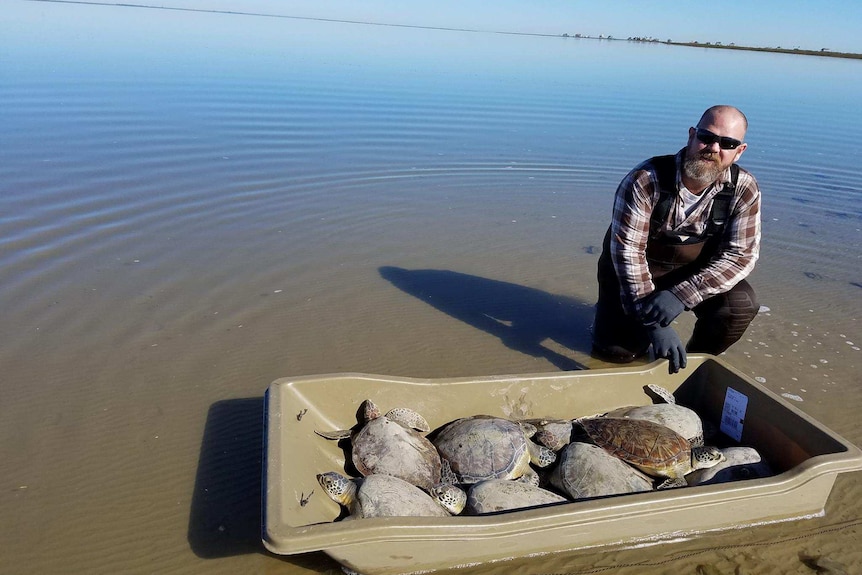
x=737, y=253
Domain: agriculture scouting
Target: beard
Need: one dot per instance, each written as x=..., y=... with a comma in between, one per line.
x=703, y=168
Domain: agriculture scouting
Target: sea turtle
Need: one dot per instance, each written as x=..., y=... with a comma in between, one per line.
x=681, y=419
x=739, y=463
x=557, y=433
x=390, y=444
x=387, y=496
x=502, y=495
x=486, y=447
x=586, y=470
x=652, y=448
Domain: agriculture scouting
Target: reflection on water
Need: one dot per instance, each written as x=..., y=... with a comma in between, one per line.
x=192, y=205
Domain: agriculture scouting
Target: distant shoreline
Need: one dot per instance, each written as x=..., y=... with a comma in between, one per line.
x=778, y=50
x=800, y=51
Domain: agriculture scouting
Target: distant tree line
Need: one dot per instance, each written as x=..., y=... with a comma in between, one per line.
x=731, y=46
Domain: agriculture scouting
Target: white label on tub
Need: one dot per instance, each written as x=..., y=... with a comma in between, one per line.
x=733, y=413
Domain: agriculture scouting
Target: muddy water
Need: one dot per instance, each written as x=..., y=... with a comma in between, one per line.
x=196, y=204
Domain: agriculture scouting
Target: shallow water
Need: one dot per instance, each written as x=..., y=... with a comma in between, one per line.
x=193, y=205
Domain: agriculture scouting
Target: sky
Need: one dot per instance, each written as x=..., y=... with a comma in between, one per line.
x=805, y=24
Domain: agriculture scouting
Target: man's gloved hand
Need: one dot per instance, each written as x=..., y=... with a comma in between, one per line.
x=661, y=307
x=666, y=344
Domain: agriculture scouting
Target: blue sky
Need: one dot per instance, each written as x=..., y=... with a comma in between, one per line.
x=806, y=24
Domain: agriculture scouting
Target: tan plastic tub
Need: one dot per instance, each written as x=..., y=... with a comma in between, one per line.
x=298, y=516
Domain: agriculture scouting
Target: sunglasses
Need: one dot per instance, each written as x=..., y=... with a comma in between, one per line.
x=709, y=139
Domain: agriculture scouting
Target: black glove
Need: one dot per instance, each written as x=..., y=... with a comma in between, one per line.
x=661, y=308
x=666, y=344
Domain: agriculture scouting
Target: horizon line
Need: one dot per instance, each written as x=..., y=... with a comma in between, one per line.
x=647, y=39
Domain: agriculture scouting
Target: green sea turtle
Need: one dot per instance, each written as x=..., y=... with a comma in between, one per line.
x=556, y=433
x=390, y=444
x=388, y=496
x=586, y=470
x=681, y=419
x=484, y=447
x=494, y=495
x=652, y=448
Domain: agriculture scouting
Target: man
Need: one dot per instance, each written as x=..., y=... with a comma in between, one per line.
x=685, y=234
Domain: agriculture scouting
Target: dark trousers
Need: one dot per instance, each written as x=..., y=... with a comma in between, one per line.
x=721, y=319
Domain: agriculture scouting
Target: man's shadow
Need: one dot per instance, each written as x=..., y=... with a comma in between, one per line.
x=522, y=317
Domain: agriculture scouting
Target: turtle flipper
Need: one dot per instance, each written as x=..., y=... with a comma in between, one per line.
x=671, y=483
x=334, y=435
x=408, y=418
x=662, y=393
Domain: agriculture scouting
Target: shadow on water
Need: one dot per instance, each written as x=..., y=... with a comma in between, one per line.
x=225, y=517
x=225, y=509
x=522, y=317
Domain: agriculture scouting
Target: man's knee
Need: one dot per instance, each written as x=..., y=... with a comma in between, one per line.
x=723, y=320
x=742, y=305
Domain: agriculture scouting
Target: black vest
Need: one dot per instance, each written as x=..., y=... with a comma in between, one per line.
x=665, y=168
x=666, y=254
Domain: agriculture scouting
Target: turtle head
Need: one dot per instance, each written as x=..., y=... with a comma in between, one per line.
x=704, y=457
x=369, y=410
x=540, y=455
x=339, y=488
x=528, y=428
x=451, y=497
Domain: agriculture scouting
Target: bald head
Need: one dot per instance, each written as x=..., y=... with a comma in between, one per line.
x=725, y=116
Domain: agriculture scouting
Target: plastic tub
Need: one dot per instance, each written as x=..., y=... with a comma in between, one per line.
x=299, y=518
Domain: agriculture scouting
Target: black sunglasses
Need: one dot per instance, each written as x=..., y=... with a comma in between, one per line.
x=709, y=139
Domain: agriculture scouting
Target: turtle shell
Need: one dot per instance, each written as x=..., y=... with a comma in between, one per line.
x=484, y=447
x=384, y=446
x=586, y=470
x=654, y=449
x=502, y=495
x=381, y=496
x=681, y=419
x=387, y=496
